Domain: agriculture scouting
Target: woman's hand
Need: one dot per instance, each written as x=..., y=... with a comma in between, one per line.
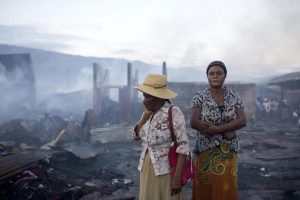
x=229, y=135
x=211, y=129
x=175, y=185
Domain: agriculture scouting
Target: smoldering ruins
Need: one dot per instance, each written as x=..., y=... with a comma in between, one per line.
x=77, y=144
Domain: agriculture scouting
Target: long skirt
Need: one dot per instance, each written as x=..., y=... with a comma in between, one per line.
x=216, y=174
x=155, y=187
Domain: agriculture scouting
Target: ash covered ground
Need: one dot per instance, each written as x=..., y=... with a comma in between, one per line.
x=105, y=166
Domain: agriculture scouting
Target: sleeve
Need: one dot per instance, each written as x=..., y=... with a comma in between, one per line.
x=238, y=101
x=180, y=131
x=197, y=100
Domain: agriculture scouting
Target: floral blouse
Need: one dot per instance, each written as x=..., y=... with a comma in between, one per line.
x=156, y=138
x=212, y=113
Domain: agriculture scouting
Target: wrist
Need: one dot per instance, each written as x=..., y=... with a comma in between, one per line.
x=177, y=174
x=205, y=125
x=220, y=129
x=176, y=177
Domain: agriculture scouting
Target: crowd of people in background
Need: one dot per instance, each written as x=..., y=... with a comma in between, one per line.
x=276, y=110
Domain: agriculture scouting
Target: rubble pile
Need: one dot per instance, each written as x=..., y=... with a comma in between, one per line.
x=38, y=183
x=50, y=159
x=64, y=177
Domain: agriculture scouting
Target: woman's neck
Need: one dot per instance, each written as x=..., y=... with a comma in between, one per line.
x=216, y=90
x=158, y=106
x=218, y=95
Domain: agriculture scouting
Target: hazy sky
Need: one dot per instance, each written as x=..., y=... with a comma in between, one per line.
x=257, y=37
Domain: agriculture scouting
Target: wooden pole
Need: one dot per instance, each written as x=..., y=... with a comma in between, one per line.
x=96, y=90
x=129, y=90
x=164, y=70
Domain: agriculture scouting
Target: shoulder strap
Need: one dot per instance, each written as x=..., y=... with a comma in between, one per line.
x=171, y=124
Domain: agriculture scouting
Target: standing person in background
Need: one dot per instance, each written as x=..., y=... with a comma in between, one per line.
x=273, y=109
x=267, y=107
x=156, y=182
x=217, y=113
x=259, y=109
x=284, y=110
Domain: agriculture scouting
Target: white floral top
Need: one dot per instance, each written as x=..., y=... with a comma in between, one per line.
x=156, y=138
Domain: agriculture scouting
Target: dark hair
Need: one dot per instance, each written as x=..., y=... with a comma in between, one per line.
x=217, y=63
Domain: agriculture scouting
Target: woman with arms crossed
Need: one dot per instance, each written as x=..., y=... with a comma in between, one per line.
x=217, y=113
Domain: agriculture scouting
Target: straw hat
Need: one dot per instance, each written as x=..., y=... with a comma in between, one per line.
x=156, y=85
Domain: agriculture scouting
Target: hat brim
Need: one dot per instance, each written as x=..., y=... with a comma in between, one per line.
x=163, y=93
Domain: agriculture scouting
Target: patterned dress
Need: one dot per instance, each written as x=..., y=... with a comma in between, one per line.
x=216, y=157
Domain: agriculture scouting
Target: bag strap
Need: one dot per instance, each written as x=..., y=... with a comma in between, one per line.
x=172, y=131
x=171, y=124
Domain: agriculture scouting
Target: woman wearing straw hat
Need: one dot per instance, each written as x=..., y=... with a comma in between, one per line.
x=156, y=182
x=216, y=114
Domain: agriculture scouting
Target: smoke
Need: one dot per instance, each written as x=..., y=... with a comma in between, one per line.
x=263, y=41
x=271, y=43
x=17, y=94
x=75, y=81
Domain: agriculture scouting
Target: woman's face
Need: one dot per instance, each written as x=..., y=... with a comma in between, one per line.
x=216, y=76
x=149, y=101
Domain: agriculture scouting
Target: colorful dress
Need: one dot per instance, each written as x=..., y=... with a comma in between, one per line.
x=216, y=157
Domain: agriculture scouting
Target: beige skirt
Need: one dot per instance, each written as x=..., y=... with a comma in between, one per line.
x=155, y=187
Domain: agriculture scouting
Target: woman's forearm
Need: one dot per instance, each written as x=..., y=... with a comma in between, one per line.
x=198, y=125
x=196, y=122
x=232, y=126
x=235, y=124
x=145, y=116
x=137, y=128
x=179, y=166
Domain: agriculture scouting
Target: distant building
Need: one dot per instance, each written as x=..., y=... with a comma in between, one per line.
x=289, y=86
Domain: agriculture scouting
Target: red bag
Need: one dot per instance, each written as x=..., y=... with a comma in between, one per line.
x=188, y=170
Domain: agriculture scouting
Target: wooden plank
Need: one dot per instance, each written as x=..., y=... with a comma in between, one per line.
x=13, y=164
